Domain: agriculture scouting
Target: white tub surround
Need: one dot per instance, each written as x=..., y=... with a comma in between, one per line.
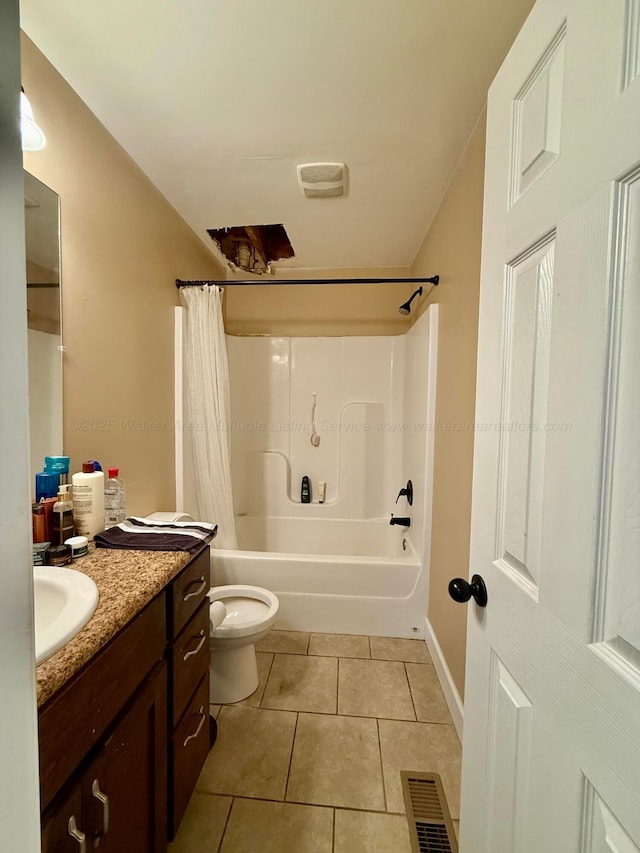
x=338, y=566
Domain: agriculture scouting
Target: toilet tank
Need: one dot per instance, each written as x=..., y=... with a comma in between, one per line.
x=169, y=517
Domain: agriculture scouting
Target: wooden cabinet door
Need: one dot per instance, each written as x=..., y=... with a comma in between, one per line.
x=62, y=822
x=124, y=787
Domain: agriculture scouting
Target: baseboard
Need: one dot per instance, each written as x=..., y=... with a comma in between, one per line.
x=451, y=695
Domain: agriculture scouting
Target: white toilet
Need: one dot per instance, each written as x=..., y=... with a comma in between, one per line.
x=239, y=616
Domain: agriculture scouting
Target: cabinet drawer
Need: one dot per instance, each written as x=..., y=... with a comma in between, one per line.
x=187, y=592
x=189, y=661
x=188, y=750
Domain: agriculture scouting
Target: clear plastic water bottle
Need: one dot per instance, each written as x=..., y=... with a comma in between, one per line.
x=114, y=499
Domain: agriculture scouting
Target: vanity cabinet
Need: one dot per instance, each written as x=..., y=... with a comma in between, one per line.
x=117, y=802
x=188, y=656
x=123, y=742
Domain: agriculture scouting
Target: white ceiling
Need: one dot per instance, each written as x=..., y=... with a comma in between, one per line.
x=219, y=100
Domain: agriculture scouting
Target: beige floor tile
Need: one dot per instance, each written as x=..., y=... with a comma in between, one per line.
x=336, y=762
x=260, y=825
x=288, y=642
x=252, y=753
x=339, y=645
x=428, y=697
x=264, y=661
x=374, y=688
x=424, y=747
x=389, y=648
x=370, y=832
x=215, y=710
x=298, y=683
x=203, y=824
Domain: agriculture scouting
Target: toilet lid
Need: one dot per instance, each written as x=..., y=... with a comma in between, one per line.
x=241, y=611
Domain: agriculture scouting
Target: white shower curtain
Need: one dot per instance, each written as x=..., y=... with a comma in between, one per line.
x=209, y=409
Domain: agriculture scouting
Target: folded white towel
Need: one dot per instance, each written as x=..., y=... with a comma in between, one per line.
x=217, y=614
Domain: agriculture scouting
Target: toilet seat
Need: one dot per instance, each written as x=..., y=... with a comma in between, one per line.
x=249, y=609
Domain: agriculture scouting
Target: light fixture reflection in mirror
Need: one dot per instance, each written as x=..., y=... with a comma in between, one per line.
x=33, y=138
x=44, y=320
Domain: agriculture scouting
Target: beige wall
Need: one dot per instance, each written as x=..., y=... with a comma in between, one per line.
x=452, y=249
x=328, y=309
x=123, y=246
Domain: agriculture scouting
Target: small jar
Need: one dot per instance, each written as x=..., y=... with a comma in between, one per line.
x=59, y=555
x=40, y=553
x=79, y=546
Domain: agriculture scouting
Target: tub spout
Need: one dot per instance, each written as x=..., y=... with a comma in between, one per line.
x=403, y=522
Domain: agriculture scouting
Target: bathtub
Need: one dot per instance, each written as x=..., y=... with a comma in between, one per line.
x=331, y=575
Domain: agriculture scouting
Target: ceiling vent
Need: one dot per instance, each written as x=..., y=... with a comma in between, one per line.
x=322, y=180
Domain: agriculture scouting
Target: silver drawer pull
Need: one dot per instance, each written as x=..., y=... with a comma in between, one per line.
x=203, y=586
x=200, y=725
x=104, y=799
x=195, y=651
x=78, y=836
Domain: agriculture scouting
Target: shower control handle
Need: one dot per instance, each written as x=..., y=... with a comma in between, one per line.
x=461, y=590
x=406, y=492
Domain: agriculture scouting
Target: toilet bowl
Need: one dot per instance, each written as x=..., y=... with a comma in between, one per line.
x=249, y=612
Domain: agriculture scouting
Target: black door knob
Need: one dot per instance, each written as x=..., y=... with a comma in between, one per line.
x=461, y=590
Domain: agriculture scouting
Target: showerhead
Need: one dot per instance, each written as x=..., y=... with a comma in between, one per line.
x=405, y=308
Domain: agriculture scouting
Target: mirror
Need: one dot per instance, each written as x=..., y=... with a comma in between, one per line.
x=44, y=320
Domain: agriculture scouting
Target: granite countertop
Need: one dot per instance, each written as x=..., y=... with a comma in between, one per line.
x=126, y=581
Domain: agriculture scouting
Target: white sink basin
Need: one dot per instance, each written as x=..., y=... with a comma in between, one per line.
x=65, y=600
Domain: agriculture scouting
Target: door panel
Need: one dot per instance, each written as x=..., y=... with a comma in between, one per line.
x=537, y=118
x=528, y=302
x=603, y=833
x=631, y=56
x=553, y=662
x=618, y=596
x=510, y=746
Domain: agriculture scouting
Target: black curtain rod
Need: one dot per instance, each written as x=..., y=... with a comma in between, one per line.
x=434, y=279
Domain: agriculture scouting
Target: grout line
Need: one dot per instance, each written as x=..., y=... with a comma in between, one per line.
x=307, y=803
x=366, y=811
x=226, y=824
x=370, y=655
x=266, y=683
x=338, y=689
x=333, y=831
x=351, y=716
x=293, y=744
x=384, y=787
x=413, y=704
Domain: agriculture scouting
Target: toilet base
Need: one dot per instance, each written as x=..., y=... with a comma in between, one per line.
x=234, y=674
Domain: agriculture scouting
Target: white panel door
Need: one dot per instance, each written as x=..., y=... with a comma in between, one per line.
x=552, y=711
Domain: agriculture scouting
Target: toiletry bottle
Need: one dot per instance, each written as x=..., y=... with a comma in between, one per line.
x=322, y=491
x=47, y=483
x=48, y=504
x=58, y=465
x=114, y=499
x=38, y=523
x=88, y=501
x=305, y=490
x=62, y=517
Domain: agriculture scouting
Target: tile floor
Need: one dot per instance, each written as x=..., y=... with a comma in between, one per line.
x=310, y=763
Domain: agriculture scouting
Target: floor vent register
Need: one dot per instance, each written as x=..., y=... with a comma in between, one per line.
x=430, y=825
